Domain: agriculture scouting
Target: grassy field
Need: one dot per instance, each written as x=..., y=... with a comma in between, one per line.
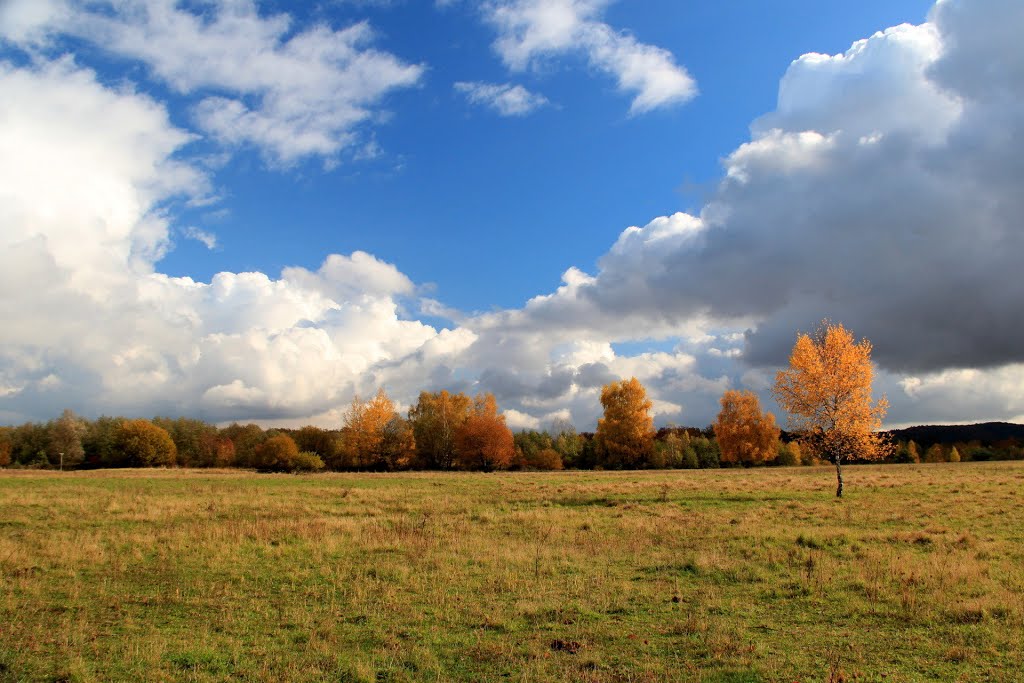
x=726, y=576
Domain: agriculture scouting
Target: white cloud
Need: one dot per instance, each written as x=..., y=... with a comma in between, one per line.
x=883, y=193
x=896, y=211
x=879, y=86
x=958, y=395
x=292, y=93
x=506, y=99
x=204, y=237
x=85, y=172
x=532, y=30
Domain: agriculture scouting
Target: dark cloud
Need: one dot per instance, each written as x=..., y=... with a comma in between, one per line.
x=883, y=193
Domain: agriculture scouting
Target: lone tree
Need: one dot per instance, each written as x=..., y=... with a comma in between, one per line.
x=827, y=393
x=745, y=434
x=625, y=435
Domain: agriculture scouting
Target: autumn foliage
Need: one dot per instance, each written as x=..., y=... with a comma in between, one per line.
x=435, y=419
x=625, y=435
x=483, y=441
x=374, y=436
x=745, y=435
x=827, y=392
x=142, y=444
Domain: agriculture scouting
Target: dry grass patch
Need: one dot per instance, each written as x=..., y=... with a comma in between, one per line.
x=732, y=575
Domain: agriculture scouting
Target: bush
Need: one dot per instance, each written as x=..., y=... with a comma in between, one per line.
x=788, y=455
x=545, y=459
x=142, y=444
x=276, y=454
x=307, y=462
x=280, y=453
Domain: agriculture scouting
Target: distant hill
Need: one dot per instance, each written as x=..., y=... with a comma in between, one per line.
x=988, y=433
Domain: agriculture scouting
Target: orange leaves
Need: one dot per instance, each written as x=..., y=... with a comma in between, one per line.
x=827, y=393
x=483, y=441
x=435, y=418
x=366, y=424
x=744, y=434
x=453, y=429
x=625, y=435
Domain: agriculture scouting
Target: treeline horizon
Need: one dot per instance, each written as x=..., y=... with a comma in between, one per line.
x=377, y=439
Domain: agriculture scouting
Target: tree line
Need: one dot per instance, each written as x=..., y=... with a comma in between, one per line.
x=826, y=391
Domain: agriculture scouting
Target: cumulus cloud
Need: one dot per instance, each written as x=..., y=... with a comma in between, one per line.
x=534, y=30
x=506, y=99
x=259, y=81
x=895, y=211
x=85, y=175
x=882, y=192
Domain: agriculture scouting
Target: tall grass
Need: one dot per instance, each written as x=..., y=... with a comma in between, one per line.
x=731, y=575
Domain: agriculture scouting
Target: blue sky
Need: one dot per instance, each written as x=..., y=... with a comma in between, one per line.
x=492, y=209
x=256, y=210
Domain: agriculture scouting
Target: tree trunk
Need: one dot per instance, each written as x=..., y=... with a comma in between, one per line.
x=839, y=477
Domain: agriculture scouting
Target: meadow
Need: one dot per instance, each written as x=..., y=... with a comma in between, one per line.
x=726, y=576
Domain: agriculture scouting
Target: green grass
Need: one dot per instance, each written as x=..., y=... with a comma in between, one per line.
x=722, y=576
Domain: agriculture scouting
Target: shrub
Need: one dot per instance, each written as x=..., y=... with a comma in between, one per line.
x=307, y=462
x=546, y=459
x=788, y=455
x=276, y=454
x=142, y=444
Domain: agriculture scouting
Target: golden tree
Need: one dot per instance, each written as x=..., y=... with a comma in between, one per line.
x=366, y=426
x=277, y=454
x=483, y=441
x=142, y=444
x=435, y=419
x=827, y=393
x=745, y=434
x=398, y=445
x=625, y=435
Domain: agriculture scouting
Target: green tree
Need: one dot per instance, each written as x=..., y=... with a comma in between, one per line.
x=29, y=445
x=567, y=441
x=707, y=452
x=100, y=443
x=670, y=450
x=528, y=443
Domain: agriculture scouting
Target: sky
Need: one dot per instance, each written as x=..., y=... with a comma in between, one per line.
x=255, y=211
